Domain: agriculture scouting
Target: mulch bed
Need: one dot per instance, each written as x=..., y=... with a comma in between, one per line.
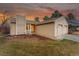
x=30, y=37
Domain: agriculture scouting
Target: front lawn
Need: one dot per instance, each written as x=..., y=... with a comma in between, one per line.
x=46, y=47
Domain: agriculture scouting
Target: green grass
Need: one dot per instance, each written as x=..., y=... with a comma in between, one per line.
x=2, y=40
x=39, y=48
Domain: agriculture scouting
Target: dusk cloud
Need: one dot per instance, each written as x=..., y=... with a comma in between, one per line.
x=32, y=10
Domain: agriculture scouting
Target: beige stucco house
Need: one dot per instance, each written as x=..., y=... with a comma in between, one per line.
x=55, y=28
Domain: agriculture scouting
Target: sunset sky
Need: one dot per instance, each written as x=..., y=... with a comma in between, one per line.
x=32, y=10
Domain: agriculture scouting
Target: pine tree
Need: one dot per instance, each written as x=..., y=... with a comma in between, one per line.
x=56, y=14
x=46, y=18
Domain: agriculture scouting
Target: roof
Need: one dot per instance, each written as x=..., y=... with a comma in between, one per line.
x=72, y=22
x=44, y=22
x=52, y=20
x=18, y=16
x=29, y=21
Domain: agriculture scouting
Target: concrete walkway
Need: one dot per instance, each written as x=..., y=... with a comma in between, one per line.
x=72, y=37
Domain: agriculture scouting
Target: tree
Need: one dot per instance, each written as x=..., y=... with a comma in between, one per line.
x=4, y=15
x=72, y=28
x=70, y=16
x=56, y=14
x=46, y=18
x=37, y=19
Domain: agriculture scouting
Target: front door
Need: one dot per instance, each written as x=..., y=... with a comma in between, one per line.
x=28, y=29
x=13, y=29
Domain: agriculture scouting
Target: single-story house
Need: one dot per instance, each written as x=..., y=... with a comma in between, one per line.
x=73, y=25
x=55, y=28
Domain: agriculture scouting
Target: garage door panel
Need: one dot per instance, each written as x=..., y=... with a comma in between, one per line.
x=46, y=30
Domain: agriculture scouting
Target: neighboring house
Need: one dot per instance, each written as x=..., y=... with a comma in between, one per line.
x=53, y=28
x=73, y=25
x=73, y=22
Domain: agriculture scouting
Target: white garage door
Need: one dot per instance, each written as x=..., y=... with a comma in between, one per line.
x=60, y=30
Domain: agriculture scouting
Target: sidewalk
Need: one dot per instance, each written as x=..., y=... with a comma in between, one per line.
x=72, y=37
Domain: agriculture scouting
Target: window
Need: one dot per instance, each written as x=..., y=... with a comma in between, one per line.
x=13, y=21
x=60, y=25
x=27, y=27
x=33, y=28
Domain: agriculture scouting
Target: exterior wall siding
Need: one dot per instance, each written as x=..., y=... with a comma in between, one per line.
x=20, y=26
x=61, y=28
x=46, y=30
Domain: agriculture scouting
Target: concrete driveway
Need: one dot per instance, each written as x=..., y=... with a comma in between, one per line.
x=72, y=37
